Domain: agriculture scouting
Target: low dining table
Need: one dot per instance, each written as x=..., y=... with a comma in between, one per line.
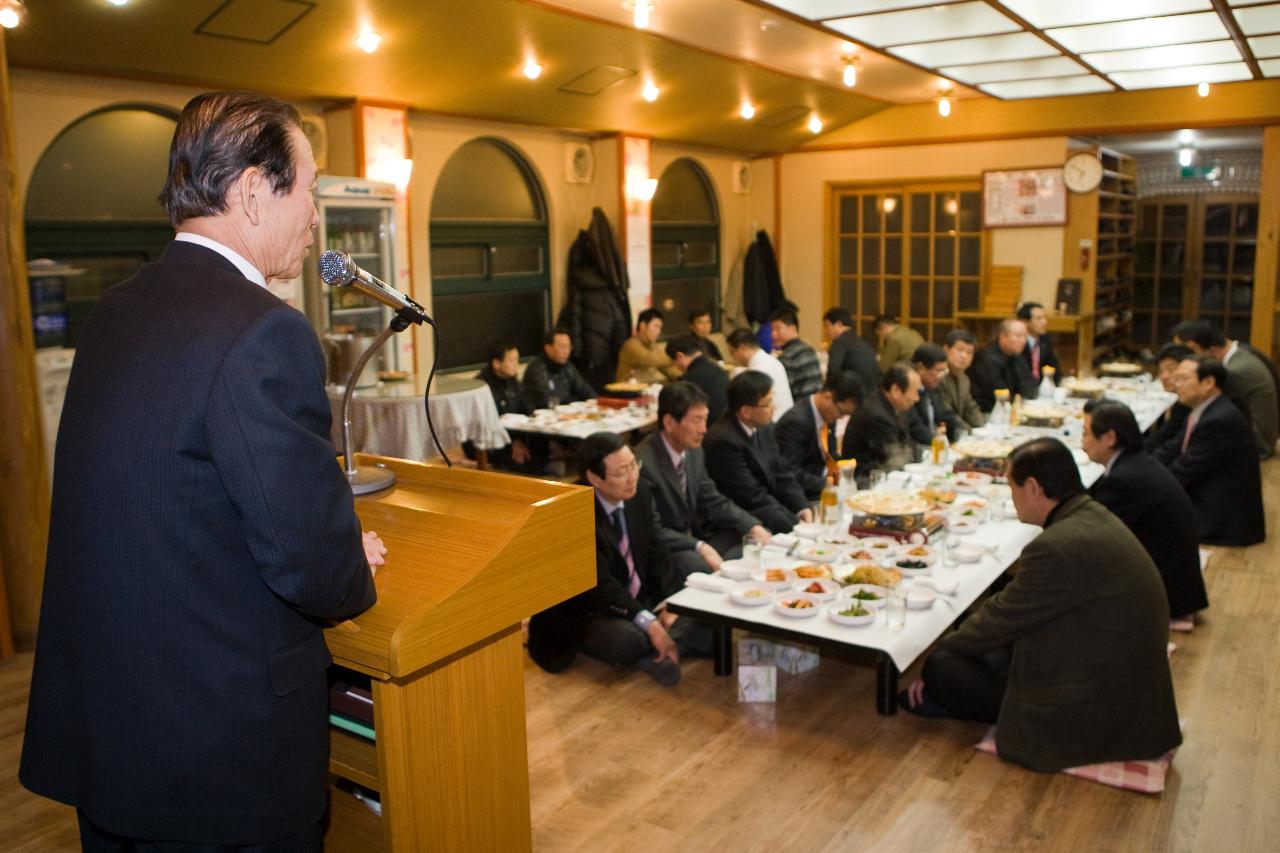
x=576, y=421
x=892, y=650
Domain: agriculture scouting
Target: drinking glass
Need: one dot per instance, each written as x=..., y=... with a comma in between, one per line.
x=753, y=550
x=895, y=608
x=877, y=478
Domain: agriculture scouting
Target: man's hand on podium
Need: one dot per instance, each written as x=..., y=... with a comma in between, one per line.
x=374, y=550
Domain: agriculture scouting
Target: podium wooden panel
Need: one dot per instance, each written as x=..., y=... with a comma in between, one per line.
x=470, y=554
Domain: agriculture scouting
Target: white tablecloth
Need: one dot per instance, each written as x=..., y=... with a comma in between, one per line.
x=390, y=420
x=579, y=420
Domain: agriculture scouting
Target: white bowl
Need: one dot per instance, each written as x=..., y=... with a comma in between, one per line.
x=971, y=481
x=822, y=553
x=812, y=571
x=918, y=468
x=962, y=526
x=833, y=613
x=544, y=413
x=780, y=605
x=751, y=594
x=738, y=570
x=967, y=552
x=921, y=597
x=879, y=545
x=907, y=571
x=809, y=530
x=905, y=552
x=852, y=590
x=760, y=576
x=829, y=588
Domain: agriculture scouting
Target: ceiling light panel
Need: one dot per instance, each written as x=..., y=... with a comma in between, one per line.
x=816, y=10
x=1265, y=46
x=1069, y=13
x=1255, y=20
x=1270, y=67
x=1148, y=32
x=917, y=25
x=1047, y=88
x=1201, y=53
x=1187, y=75
x=976, y=50
x=1025, y=69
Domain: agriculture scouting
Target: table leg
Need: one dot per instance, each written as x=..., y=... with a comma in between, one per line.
x=722, y=649
x=482, y=459
x=886, y=686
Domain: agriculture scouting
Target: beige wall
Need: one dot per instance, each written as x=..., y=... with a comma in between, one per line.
x=806, y=177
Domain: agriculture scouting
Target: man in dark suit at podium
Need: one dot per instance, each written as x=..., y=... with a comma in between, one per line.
x=620, y=620
x=202, y=533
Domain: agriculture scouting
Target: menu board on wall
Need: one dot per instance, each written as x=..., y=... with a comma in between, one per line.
x=1024, y=197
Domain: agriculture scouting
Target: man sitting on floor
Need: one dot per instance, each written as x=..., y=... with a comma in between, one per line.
x=877, y=436
x=1215, y=458
x=1169, y=427
x=1144, y=495
x=744, y=460
x=804, y=373
x=745, y=351
x=897, y=342
x=957, y=389
x=1249, y=380
x=696, y=367
x=1000, y=365
x=849, y=353
x=620, y=620
x=807, y=433
x=1069, y=660
x=931, y=412
x=700, y=328
x=699, y=525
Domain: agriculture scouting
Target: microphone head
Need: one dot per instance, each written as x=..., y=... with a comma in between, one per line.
x=337, y=268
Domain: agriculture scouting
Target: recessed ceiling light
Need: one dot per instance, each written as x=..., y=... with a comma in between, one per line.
x=532, y=69
x=1185, y=156
x=815, y=124
x=12, y=13
x=944, y=106
x=1203, y=90
x=850, y=73
x=642, y=12
x=747, y=110
x=368, y=41
x=118, y=2
x=650, y=92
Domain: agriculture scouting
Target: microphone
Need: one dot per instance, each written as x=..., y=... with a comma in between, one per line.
x=338, y=270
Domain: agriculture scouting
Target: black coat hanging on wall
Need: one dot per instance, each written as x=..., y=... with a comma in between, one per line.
x=596, y=310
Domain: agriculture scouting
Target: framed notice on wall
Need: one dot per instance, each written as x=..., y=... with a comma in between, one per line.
x=1024, y=197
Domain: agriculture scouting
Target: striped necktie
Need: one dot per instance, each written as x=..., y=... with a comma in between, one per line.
x=624, y=545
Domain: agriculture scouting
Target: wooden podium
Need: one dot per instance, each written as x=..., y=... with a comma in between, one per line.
x=470, y=554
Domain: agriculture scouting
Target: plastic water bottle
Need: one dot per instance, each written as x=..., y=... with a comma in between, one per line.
x=1001, y=413
x=1046, y=383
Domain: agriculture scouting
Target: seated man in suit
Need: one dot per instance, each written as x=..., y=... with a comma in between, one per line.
x=877, y=436
x=686, y=354
x=804, y=373
x=642, y=358
x=897, y=342
x=699, y=525
x=1143, y=494
x=700, y=328
x=931, y=413
x=746, y=352
x=1039, y=350
x=1069, y=658
x=1215, y=458
x=744, y=460
x=1169, y=426
x=620, y=620
x=807, y=433
x=550, y=378
x=849, y=353
x=957, y=391
x=1000, y=364
x=1248, y=382
x=1184, y=332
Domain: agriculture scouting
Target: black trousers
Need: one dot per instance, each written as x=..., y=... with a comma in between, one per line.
x=95, y=839
x=969, y=688
x=620, y=642
x=727, y=545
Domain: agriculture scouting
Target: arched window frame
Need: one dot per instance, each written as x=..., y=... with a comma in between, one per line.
x=672, y=281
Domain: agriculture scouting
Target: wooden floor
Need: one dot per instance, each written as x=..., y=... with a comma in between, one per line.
x=619, y=763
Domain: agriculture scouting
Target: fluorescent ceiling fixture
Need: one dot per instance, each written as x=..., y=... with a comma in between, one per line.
x=1265, y=46
x=1259, y=19
x=1066, y=13
x=1187, y=75
x=1024, y=69
x=816, y=10
x=1047, y=88
x=1148, y=32
x=968, y=51
x=1169, y=56
x=934, y=22
x=1270, y=67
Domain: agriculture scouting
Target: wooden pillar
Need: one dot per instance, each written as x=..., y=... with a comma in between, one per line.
x=24, y=509
x=1267, y=260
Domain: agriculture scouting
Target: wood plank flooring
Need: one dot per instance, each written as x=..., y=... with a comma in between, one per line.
x=618, y=763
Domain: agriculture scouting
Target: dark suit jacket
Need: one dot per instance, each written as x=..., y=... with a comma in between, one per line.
x=993, y=369
x=755, y=477
x=701, y=512
x=544, y=378
x=555, y=635
x=1048, y=358
x=1143, y=494
x=508, y=394
x=201, y=535
x=1168, y=431
x=711, y=378
x=1271, y=368
x=797, y=434
x=1220, y=472
x=877, y=437
x=918, y=417
x=1088, y=622
x=856, y=358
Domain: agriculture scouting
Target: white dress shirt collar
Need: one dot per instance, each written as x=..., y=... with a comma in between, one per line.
x=1111, y=462
x=677, y=456
x=609, y=507
x=246, y=269
x=1231, y=351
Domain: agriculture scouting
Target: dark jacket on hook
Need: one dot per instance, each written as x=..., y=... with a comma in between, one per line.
x=596, y=311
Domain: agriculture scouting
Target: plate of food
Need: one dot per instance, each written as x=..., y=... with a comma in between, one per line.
x=971, y=481
x=812, y=572
x=852, y=613
x=797, y=605
x=881, y=546
x=874, y=575
x=1119, y=368
x=862, y=555
x=913, y=565
x=823, y=590
x=821, y=553
x=865, y=592
x=917, y=552
x=1085, y=387
x=625, y=390
x=1039, y=413
x=962, y=526
x=751, y=594
x=776, y=578
x=938, y=495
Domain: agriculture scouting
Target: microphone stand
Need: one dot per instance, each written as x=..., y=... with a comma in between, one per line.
x=365, y=479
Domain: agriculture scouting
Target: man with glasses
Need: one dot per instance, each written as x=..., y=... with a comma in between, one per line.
x=621, y=620
x=744, y=460
x=931, y=412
